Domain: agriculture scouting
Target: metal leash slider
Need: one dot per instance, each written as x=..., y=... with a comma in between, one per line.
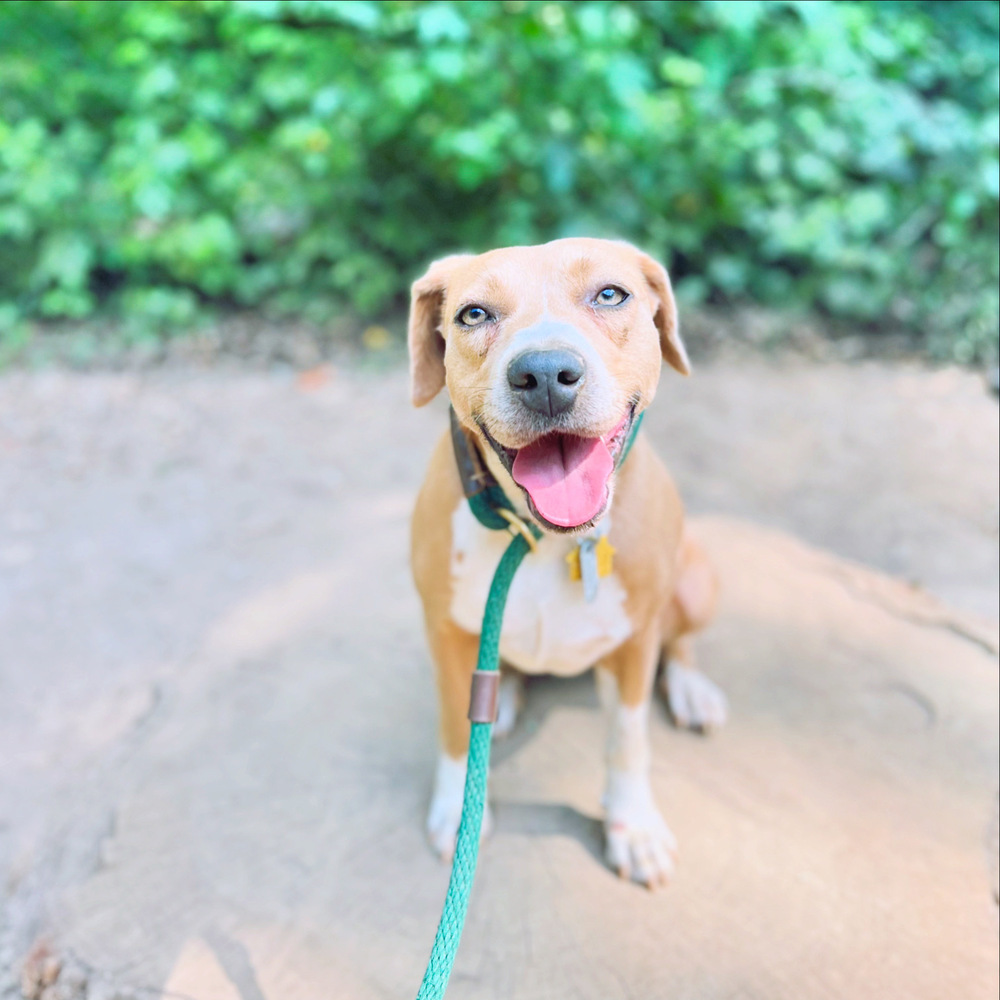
x=484, y=696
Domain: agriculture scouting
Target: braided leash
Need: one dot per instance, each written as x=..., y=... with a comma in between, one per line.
x=493, y=510
x=463, y=869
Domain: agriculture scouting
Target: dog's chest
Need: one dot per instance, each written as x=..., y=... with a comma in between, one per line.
x=548, y=625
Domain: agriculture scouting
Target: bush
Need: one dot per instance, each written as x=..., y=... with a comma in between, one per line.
x=309, y=157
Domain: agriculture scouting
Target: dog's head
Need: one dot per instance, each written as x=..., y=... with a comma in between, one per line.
x=549, y=353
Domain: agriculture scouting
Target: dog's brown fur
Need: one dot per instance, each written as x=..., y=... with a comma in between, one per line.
x=669, y=585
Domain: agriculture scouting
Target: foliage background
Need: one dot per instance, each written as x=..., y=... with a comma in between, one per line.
x=308, y=158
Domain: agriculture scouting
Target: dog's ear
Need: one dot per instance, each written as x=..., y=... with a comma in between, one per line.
x=424, y=331
x=665, y=314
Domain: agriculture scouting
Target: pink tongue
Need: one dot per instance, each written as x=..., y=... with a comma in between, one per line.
x=566, y=477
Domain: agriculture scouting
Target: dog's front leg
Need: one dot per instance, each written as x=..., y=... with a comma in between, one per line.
x=639, y=844
x=454, y=652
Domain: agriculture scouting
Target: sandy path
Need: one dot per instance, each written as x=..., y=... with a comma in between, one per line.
x=216, y=720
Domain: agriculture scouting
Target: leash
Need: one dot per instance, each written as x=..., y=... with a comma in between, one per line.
x=490, y=506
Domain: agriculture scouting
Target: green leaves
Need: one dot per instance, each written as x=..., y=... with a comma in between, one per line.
x=309, y=156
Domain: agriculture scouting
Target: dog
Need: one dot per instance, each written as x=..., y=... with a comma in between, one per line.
x=550, y=354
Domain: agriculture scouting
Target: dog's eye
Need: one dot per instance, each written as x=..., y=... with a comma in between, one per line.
x=611, y=295
x=473, y=316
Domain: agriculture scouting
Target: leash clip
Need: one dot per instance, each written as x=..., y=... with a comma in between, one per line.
x=516, y=527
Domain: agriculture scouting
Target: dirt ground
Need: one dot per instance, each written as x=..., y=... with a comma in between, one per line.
x=217, y=718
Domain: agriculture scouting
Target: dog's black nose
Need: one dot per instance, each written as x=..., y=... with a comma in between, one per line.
x=547, y=381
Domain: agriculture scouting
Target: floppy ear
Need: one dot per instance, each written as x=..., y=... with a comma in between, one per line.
x=665, y=314
x=424, y=331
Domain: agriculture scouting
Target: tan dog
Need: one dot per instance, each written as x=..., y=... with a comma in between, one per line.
x=549, y=354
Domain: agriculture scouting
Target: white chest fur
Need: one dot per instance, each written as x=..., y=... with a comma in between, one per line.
x=548, y=626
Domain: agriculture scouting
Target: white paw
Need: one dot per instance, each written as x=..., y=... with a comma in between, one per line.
x=639, y=844
x=695, y=702
x=445, y=812
x=509, y=703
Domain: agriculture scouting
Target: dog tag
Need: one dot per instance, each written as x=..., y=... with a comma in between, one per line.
x=588, y=569
x=589, y=561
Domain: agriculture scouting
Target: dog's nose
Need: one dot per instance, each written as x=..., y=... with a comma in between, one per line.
x=547, y=381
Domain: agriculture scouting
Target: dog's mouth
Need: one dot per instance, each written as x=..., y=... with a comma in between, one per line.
x=566, y=477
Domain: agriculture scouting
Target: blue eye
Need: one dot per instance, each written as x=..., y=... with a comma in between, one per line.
x=611, y=295
x=473, y=316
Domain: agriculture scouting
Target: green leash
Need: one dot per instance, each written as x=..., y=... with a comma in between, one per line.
x=493, y=510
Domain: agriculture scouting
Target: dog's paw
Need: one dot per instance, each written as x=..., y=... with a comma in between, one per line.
x=445, y=812
x=639, y=844
x=694, y=701
x=509, y=702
